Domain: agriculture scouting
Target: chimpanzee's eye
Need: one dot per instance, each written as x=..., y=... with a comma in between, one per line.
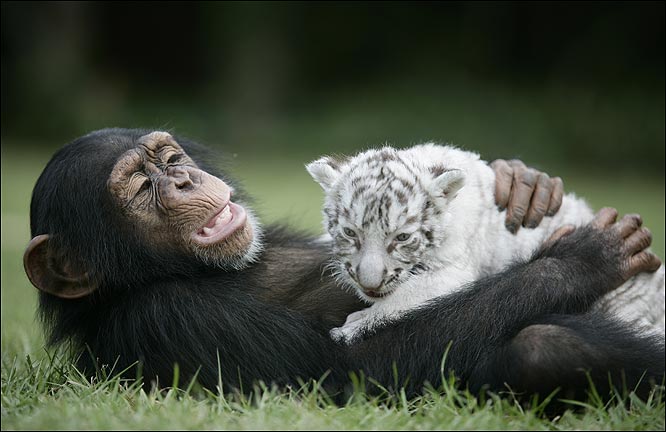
x=144, y=186
x=175, y=158
x=349, y=232
x=403, y=237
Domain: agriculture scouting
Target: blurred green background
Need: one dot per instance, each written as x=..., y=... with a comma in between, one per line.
x=575, y=89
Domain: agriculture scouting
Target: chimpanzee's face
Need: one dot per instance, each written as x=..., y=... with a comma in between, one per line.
x=177, y=205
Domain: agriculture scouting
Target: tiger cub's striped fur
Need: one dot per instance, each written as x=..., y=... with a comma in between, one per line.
x=410, y=225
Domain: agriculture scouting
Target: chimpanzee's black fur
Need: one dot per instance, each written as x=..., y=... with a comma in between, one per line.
x=527, y=327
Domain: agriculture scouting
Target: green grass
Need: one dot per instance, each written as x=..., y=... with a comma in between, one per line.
x=31, y=400
x=40, y=392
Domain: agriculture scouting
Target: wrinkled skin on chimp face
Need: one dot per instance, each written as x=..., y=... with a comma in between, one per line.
x=178, y=206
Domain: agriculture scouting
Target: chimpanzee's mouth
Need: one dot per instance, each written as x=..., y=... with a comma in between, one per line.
x=224, y=223
x=222, y=218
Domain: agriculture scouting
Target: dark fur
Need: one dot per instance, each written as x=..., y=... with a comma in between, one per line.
x=271, y=320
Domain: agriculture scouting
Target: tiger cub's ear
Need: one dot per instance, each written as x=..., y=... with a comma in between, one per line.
x=448, y=184
x=325, y=171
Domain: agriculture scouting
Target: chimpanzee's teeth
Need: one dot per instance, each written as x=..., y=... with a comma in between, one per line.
x=224, y=216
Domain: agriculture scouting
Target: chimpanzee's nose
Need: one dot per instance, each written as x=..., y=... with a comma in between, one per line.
x=181, y=177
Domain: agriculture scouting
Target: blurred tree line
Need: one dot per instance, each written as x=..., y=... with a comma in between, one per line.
x=576, y=82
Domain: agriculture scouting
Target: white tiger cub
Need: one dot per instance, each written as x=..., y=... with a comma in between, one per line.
x=404, y=230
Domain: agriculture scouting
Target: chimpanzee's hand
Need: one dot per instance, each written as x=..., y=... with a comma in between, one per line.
x=527, y=194
x=632, y=240
x=614, y=251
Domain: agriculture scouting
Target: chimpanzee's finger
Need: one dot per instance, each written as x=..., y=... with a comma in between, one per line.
x=503, y=181
x=629, y=224
x=524, y=181
x=540, y=201
x=642, y=262
x=556, y=196
x=559, y=233
x=517, y=164
x=637, y=241
x=604, y=217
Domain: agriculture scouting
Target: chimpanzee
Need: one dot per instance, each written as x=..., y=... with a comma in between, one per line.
x=145, y=254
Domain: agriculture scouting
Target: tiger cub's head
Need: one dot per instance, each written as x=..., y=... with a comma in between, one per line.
x=386, y=212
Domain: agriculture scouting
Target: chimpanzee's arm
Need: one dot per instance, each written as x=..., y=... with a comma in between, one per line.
x=490, y=324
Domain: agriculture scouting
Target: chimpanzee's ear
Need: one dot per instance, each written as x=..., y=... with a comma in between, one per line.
x=325, y=171
x=51, y=274
x=448, y=183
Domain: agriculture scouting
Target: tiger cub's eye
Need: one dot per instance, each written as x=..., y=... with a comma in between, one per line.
x=349, y=232
x=403, y=237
